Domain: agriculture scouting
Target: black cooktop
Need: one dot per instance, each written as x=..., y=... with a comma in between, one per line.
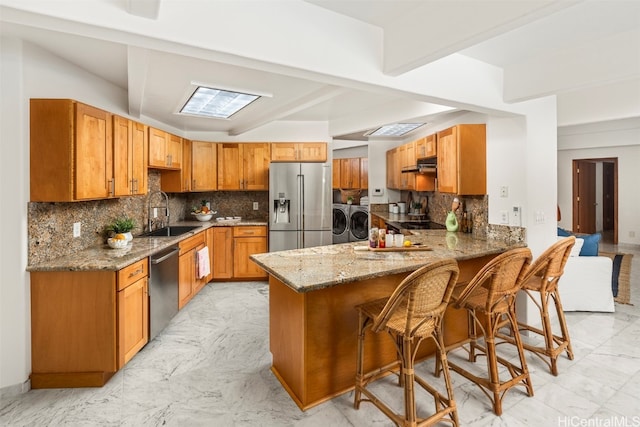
x=421, y=225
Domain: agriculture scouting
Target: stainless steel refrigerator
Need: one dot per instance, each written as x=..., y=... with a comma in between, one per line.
x=300, y=205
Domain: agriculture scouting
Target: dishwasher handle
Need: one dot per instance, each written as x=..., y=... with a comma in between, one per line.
x=165, y=256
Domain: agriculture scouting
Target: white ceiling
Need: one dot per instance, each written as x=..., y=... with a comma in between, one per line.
x=544, y=47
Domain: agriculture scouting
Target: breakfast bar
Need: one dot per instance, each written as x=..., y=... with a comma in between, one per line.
x=313, y=292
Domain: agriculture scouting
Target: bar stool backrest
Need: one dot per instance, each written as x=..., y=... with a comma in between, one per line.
x=502, y=277
x=549, y=266
x=419, y=299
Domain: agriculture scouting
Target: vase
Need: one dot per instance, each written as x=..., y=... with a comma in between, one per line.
x=451, y=222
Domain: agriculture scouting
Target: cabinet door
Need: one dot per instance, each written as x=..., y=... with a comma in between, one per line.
x=178, y=181
x=203, y=166
x=133, y=320
x=139, y=158
x=157, y=148
x=186, y=277
x=93, y=153
x=336, y=174
x=364, y=173
x=229, y=167
x=222, y=252
x=255, y=160
x=284, y=152
x=174, y=151
x=122, y=155
x=350, y=173
x=392, y=176
x=430, y=143
x=312, y=152
x=243, y=267
x=448, y=161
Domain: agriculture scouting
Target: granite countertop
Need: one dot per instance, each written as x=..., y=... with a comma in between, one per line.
x=309, y=269
x=102, y=257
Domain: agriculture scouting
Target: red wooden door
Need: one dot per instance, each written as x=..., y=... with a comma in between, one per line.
x=584, y=196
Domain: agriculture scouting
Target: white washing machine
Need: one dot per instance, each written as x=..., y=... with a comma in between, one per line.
x=358, y=223
x=340, y=223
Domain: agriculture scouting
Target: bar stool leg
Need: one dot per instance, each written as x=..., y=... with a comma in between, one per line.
x=359, y=361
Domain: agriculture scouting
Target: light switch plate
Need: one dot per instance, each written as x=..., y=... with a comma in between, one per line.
x=517, y=216
x=378, y=191
x=76, y=229
x=255, y=206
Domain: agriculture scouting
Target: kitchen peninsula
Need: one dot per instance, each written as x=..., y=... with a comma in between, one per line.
x=312, y=295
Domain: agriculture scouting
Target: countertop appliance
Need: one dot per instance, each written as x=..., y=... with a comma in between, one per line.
x=163, y=289
x=300, y=210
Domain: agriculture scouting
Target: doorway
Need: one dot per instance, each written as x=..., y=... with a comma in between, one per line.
x=595, y=197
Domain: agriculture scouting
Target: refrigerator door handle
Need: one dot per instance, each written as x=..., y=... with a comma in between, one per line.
x=301, y=211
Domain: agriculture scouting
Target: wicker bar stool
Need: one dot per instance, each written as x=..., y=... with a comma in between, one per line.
x=489, y=298
x=412, y=313
x=543, y=278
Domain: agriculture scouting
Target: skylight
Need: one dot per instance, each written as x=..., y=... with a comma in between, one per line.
x=208, y=102
x=396, y=129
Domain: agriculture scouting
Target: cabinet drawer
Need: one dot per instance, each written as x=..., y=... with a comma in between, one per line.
x=249, y=231
x=133, y=273
x=192, y=242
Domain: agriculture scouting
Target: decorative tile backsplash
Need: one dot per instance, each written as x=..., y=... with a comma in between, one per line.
x=439, y=205
x=51, y=224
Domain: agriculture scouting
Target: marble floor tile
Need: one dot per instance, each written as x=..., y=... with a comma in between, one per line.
x=211, y=367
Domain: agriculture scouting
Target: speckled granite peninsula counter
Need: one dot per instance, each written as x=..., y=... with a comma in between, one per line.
x=312, y=295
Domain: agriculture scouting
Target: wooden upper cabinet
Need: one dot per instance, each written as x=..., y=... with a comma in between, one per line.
x=350, y=173
x=243, y=166
x=165, y=150
x=364, y=172
x=392, y=172
x=299, y=152
x=462, y=160
x=426, y=147
x=129, y=157
x=71, y=151
x=204, y=175
x=336, y=174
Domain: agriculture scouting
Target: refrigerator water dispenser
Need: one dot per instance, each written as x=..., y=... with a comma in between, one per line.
x=281, y=210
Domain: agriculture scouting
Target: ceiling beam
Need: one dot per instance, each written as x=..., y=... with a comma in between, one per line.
x=144, y=8
x=316, y=97
x=137, y=69
x=419, y=39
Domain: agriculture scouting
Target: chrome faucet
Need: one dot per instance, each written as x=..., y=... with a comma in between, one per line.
x=149, y=207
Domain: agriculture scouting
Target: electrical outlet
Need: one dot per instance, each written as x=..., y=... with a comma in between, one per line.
x=155, y=212
x=255, y=206
x=76, y=229
x=504, y=217
x=504, y=191
x=378, y=191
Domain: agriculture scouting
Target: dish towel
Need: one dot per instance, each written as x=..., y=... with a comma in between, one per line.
x=204, y=269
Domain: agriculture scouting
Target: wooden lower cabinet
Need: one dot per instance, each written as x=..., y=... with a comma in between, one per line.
x=223, y=252
x=85, y=325
x=248, y=240
x=189, y=284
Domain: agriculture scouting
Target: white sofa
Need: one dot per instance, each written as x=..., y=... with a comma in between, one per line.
x=586, y=284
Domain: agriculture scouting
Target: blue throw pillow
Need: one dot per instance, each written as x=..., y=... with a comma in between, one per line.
x=564, y=233
x=590, y=247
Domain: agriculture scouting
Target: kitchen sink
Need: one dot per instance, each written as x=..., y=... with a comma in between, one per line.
x=175, y=230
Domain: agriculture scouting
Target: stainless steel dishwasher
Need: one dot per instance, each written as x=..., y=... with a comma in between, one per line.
x=163, y=290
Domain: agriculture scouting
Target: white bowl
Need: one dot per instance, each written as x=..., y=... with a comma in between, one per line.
x=202, y=217
x=117, y=243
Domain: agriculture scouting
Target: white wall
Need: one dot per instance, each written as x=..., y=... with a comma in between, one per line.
x=619, y=139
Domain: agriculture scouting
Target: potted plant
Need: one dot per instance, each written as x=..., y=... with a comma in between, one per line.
x=122, y=225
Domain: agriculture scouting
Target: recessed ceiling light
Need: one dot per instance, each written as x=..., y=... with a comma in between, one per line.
x=208, y=102
x=396, y=129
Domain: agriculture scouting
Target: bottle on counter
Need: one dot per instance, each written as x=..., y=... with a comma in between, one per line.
x=469, y=223
x=373, y=237
x=464, y=223
x=382, y=238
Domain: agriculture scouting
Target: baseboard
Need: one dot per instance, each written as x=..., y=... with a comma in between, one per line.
x=15, y=390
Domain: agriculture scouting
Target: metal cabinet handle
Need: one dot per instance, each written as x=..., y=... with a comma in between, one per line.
x=136, y=272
